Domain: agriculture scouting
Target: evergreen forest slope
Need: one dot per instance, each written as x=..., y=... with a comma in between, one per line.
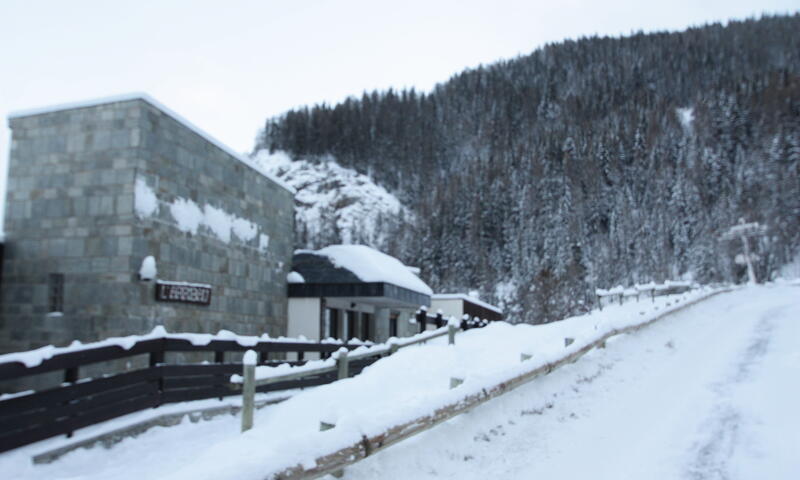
x=585, y=164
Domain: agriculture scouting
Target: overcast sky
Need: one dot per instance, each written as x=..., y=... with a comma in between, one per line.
x=226, y=66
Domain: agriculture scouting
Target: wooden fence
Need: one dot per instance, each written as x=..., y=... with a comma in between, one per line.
x=79, y=402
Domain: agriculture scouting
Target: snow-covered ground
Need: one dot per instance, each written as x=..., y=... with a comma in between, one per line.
x=707, y=393
x=711, y=393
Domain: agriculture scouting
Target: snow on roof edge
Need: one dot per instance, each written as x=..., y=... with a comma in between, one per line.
x=371, y=265
x=155, y=103
x=463, y=296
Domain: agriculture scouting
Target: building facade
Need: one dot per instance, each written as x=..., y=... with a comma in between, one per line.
x=94, y=189
x=459, y=304
x=353, y=291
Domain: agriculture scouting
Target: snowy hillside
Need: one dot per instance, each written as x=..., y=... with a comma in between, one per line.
x=335, y=204
x=586, y=163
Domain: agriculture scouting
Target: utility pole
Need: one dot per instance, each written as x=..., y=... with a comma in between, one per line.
x=743, y=231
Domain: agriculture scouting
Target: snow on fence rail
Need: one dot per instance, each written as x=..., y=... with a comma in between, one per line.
x=669, y=287
x=30, y=416
x=341, y=362
x=33, y=358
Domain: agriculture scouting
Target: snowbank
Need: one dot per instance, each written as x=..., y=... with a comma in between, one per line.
x=368, y=349
x=369, y=403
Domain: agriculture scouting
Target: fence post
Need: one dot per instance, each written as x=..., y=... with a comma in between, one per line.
x=324, y=426
x=248, y=389
x=439, y=319
x=70, y=376
x=219, y=358
x=451, y=334
x=422, y=317
x=157, y=358
x=342, y=364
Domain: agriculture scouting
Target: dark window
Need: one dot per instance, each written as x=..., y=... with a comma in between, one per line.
x=351, y=324
x=393, y=324
x=333, y=322
x=56, y=292
x=366, y=319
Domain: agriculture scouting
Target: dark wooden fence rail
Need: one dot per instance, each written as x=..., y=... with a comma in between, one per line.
x=78, y=403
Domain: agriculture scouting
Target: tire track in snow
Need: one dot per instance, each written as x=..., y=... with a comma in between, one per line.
x=714, y=454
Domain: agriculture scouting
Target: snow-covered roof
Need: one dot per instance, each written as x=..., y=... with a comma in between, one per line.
x=468, y=298
x=370, y=265
x=177, y=117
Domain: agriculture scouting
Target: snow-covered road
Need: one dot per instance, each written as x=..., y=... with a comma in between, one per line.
x=711, y=393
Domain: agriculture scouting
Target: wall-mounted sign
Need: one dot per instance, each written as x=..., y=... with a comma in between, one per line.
x=196, y=293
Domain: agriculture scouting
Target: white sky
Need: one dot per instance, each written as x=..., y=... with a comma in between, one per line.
x=227, y=66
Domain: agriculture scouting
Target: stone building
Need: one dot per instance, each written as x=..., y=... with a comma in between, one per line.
x=95, y=188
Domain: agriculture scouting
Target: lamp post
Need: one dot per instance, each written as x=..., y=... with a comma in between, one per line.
x=743, y=231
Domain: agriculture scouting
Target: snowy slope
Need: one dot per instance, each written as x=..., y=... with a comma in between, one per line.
x=332, y=201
